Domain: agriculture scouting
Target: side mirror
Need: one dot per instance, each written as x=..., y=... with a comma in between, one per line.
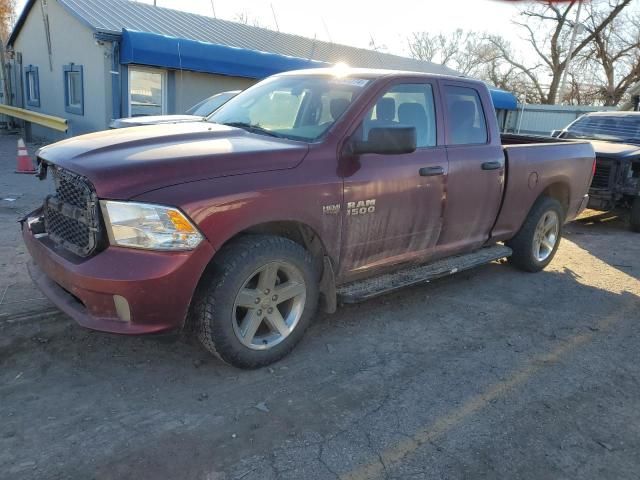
x=555, y=133
x=387, y=141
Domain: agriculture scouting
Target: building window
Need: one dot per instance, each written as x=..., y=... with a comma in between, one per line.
x=73, y=89
x=32, y=86
x=147, y=92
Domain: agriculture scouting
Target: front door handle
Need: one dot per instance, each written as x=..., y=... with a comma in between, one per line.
x=431, y=171
x=491, y=165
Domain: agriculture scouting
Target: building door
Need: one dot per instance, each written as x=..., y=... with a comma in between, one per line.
x=147, y=92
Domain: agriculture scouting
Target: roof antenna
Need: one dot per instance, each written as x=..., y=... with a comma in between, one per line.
x=212, y=8
x=275, y=19
x=375, y=48
x=326, y=30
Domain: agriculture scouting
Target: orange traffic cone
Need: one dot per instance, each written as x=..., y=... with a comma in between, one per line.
x=25, y=165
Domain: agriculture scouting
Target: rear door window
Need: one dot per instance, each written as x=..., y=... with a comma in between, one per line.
x=466, y=119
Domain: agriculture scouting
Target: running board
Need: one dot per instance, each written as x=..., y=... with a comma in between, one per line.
x=372, y=287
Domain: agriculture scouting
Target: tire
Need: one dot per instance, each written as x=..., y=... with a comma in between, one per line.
x=237, y=313
x=530, y=253
x=635, y=215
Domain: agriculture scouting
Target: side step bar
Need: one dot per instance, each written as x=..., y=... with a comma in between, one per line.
x=372, y=287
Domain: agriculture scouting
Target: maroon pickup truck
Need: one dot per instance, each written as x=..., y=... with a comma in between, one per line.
x=319, y=186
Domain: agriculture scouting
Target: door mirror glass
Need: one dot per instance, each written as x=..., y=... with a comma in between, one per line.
x=556, y=133
x=387, y=141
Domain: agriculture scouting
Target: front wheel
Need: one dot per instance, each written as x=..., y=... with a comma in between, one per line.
x=635, y=215
x=256, y=302
x=535, y=245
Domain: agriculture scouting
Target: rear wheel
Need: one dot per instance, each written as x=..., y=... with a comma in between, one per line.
x=256, y=302
x=635, y=215
x=536, y=243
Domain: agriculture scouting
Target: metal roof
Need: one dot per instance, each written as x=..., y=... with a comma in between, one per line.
x=113, y=16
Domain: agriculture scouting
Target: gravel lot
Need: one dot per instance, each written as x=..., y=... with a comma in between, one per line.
x=493, y=373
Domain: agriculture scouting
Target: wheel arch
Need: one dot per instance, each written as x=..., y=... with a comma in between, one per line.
x=560, y=191
x=300, y=233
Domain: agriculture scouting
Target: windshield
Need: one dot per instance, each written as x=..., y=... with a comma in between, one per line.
x=209, y=105
x=614, y=128
x=294, y=107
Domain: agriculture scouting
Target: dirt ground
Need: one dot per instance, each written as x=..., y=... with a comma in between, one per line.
x=492, y=373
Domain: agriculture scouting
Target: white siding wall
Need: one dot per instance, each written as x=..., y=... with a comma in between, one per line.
x=192, y=87
x=71, y=42
x=542, y=119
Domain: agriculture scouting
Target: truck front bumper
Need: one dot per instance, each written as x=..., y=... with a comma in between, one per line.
x=119, y=290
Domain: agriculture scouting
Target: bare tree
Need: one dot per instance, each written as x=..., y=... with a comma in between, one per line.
x=548, y=27
x=529, y=75
x=245, y=19
x=7, y=17
x=604, y=64
x=462, y=51
x=615, y=52
x=478, y=55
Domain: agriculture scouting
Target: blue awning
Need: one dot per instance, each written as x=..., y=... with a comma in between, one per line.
x=145, y=48
x=503, y=100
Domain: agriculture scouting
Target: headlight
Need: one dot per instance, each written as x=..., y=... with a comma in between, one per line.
x=153, y=227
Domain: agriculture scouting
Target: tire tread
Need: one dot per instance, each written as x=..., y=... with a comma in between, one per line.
x=522, y=243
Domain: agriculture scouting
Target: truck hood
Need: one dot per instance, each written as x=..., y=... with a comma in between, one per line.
x=127, y=162
x=615, y=150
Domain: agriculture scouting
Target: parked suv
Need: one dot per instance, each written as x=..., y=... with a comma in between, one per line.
x=199, y=112
x=312, y=185
x=616, y=140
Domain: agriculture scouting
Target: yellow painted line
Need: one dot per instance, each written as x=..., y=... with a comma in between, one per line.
x=55, y=123
x=398, y=452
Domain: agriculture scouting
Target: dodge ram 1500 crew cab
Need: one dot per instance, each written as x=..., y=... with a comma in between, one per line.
x=318, y=186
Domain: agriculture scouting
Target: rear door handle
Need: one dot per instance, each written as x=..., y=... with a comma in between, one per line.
x=491, y=165
x=431, y=171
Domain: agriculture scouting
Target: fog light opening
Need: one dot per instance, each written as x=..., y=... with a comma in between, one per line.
x=122, y=308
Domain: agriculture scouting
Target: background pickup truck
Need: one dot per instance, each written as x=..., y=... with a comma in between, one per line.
x=615, y=137
x=320, y=185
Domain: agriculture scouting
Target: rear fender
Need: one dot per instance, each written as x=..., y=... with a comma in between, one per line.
x=561, y=171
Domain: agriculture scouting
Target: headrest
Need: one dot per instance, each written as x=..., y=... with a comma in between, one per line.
x=338, y=106
x=386, y=109
x=464, y=110
x=411, y=112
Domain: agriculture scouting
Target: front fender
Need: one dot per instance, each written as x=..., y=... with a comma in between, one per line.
x=224, y=207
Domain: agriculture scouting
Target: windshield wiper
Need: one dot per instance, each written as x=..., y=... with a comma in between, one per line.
x=252, y=128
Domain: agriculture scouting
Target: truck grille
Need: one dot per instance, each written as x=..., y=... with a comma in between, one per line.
x=602, y=174
x=71, y=215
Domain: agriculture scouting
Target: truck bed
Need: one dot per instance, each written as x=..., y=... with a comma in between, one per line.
x=518, y=139
x=535, y=164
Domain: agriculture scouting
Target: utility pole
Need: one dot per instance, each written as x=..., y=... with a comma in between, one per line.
x=572, y=45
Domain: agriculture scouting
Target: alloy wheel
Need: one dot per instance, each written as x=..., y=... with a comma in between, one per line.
x=269, y=305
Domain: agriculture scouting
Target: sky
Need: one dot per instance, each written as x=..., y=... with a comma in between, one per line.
x=356, y=22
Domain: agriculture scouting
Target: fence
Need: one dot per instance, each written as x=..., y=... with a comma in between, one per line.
x=542, y=119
